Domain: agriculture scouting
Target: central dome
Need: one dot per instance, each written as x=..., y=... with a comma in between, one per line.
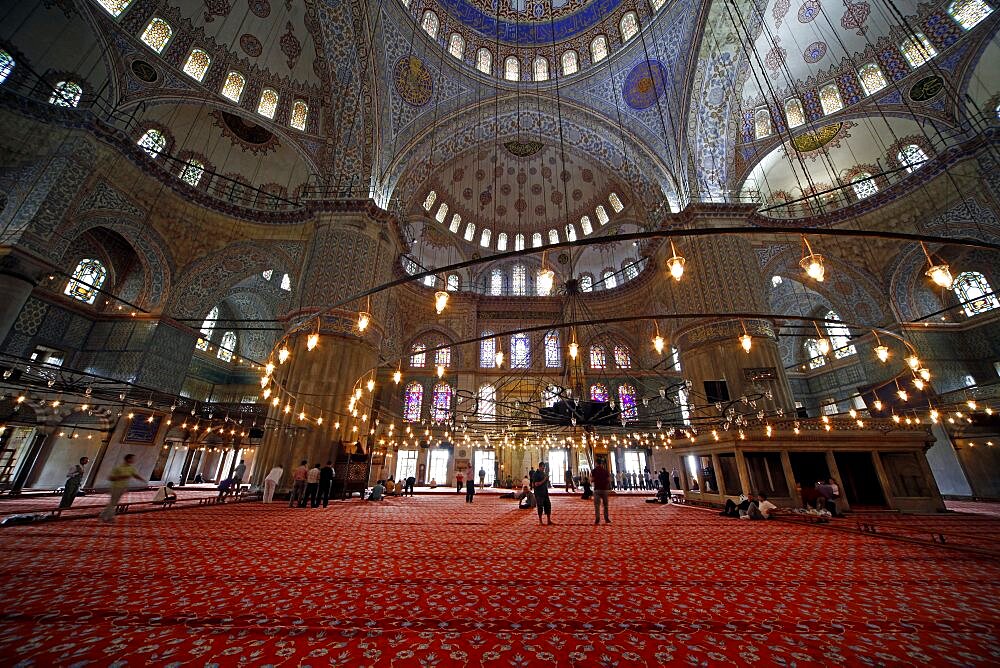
x=530, y=22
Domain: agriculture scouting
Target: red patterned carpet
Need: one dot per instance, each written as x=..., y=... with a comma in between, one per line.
x=431, y=581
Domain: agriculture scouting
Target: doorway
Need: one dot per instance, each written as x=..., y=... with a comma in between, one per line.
x=485, y=460
x=808, y=468
x=557, y=467
x=406, y=464
x=437, y=467
x=859, y=483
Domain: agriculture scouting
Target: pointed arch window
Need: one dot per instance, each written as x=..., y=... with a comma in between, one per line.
x=536, y=240
x=586, y=283
x=452, y=284
x=585, y=225
x=430, y=280
x=519, y=280
x=456, y=223
x=66, y=94
x=840, y=337
x=487, y=409
x=629, y=26
x=518, y=242
x=968, y=13
x=286, y=283
x=570, y=232
x=762, y=123
x=488, y=350
x=87, y=279
x=115, y=7
x=829, y=99
x=502, y=241
x=197, y=64
x=6, y=65
x=974, y=291
x=442, y=357
x=570, y=62
x=553, y=237
x=207, y=327
x=520, y=351
x=553, y=354
x=470, y=231
x=598, y=49
x=442, y=212
x=872, y=79
x=156, y=35
x=623, y=358
x=418, y=355
x=152, y=142
x=430, y=23
x=598, y=392
x=227, y=345
x=496, y=282
x=626, y=398
x=300, y=112
x=485, y=238
x=815, y=356
x=192, y=172
x=540, y=69
x=602, y=214
x=232, y=89
x=630, y=268
x=268, y=103
x=429, y=200
x=616, y=202
x=484, y=60
x=598, y=359
x=511, y=69
x=456, y=45
x=794, y=113
x=911, y=157
x=917, y=49
x=610, y=281
x=864, y=185
x=413, y=402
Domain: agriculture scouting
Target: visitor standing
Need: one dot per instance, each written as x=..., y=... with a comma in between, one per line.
x=459, y=481
x=299, y=476
x=326, y=483
x=238, y=473
x=676, y=477
x=312, y=487
x=271, y=483
x=540, y=485
x=120, y=476
x=73, y=479
x=570, y=483
x=601, y=479
x=470, y=484
x=482, y=477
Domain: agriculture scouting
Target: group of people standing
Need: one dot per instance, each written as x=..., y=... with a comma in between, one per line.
x=310, y=486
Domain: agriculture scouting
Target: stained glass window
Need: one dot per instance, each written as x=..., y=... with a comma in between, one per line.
x=598, y=358
x=917, y=49
x=968, y=13
x=442, y=212
x=286, y=283
x=540, y=69
x=586, y=283
x=409, y=266
x=488, y=350
x=484, y=61
x=88, y=277
x=864, y=185
x=233, y=87
x=452, y=285
x=152, y=142
x=872, y=79
x=610, y=281
x=227, y=344
x=156, y=35
x=502, y=241
x=300, y=112
x=598, y=392
x=487, y=409
x=586, y=225
x=192, y=172
x=430, y=23
x=975, y=293
x=470, y=231
x=456, y=223
x=485, y=237
x=418, y=355
x=496, y=282
x=599, y=49
x=623, y=359
x=536, y=240
x=115, y=7
x=630, y=268
x=429, y=200
x=442, y=357
x=6, y=65
x=814, y=354
x=626, y=397
x=268, y=103
x=518, y=242
x=553, y=237
x=616, y=202
x=207, y=327
x=570, y=232
x=762, y=123
x=66, y=94
x=456, y=45
x=840, y=337
x=602, y=214
x=629, y=26
x=911, y=156
x=511, y=69
x=413, y=401
x=267, y=273
x=519, y=280
x=553, y=356
x=829, y=98
x=520, y=351
x=794, y=113
x=197, y=64
x=570, y=62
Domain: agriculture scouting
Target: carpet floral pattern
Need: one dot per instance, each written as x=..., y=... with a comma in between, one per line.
x=432, y=581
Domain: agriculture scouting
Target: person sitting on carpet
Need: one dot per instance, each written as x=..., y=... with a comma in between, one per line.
x=377, y=491
x=588, y=493
x=434, y=483
x=390, y=487
x=525, y=499
x=165, y=493
x=733, y=509
x=226, y=488
x=765, y=507
x=808, y=494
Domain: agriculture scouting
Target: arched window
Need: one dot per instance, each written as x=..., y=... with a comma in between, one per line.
x=968, y=13
x=487, y=409
x=553, y=237
x=511, y=69
x=484, y=60
x=452, y=285
x=442, y=212
x=864, y=185
x=602, y=214
x=816, y=358
x=207, y=327
x=418, y=355
x=233, y=87
x=630, y=268
x=518, y=242
x=917, y=49
x=286, y=283
x=152, y=142
x=629, y=26
x=974, y=291
x=300, y=112
x=430, y=23
x=536, y=240
x=197, y=64
x=610, y=281
x=156, y=35
x=429, y=200
x=409, y=266
x=519, y=280
x=598, y=392
x=872, y=79
x=87, y=279
x=502, y=241
x=598, y=359
x=66, y=94
x=570, y=62
x=485, y=237
x=115, y=7
x=413, y=402
x=6, y=65
x=456, y=223
x=192, y=172
x=626, y=397
x=267, y=274
x=911, y=156
x=794, y=113
x=829, y=98
x=496, y=282
x=470, y=231
x=585, y=225
x=553, y=355
x=268, y=103
x=623, y=358
x=540, y=69
x=227, y=346
x=520, y=351
x=586, y=283
x=840, y=337
x=598, y=49
x=488, y=350
x=442, y=357
x=616, y=202
x=456, y=45
x=430, y=280
x=570, y=232
x=762, y=123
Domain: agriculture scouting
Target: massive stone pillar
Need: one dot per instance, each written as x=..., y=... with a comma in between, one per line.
x=17, y=280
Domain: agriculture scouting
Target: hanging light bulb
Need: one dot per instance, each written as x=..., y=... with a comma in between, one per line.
x=283, y=354
x=882, y=353
x=440, y=370
x=498, y=359
x=658, y=343
x=370, y=384
x=934, y=415
x=878, y=404
x=746, y=341
x=264, y=380
x=903, y=395
x=364, y=317
x=545, y=280
x=574, y=349
x=823, y=345
x=275, y=402
x=918, y=383
x=971, y=403
x=440, y=301
x=812, y=263
x=939, y=273
x=269, y=368
x=397, y=376
x=675, y=263
x=319, y=420
x=312, y=340
x=302, y=415
x=267, y=393
x=925, y=373
x=913, y=361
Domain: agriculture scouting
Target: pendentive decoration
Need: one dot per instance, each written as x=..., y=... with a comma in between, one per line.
x=644, y=84
x=413, y=81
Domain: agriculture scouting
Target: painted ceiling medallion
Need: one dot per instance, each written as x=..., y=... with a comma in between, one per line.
x=413, y=81
x=260, y=8
x=144, y=71
x=814, y=52
x=809, y=10
x=215, y=8
x=523, y=149
x=530, y=22
x=291, y=46
x=251, y=45
x=855, y=14
x=644, y=85
x=815, y=139
x=926, y=89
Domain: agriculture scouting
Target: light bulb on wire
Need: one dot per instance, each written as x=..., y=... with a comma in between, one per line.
x=675, y=263
x=283, y=354
x=940, y=274
x=812, y=263
x=545, y=281
x=440, y=301
x=311, y=341
x=746, y=341
x=364, y=317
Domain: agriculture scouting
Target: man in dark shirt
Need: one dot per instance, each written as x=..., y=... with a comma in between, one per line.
x=325, y=483
x=408, y=486
x=601, y=479
x=540, y=486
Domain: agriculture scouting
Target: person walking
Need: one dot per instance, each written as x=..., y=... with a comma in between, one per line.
x=73, y=479
x=299, y=476
x=482, y=477
x=312, y=487
x=570, y=483
x=271, y=483
x=540, y=485
x=326, y=483
x=470, y=484
x=601, y=480
x=238, y=473
x=120, y=476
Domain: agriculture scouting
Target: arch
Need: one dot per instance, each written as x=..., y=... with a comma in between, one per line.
x=152, y=142
x=197, y=63
x=623, y=356
x=520, y=351
x=227, y=346
x=87, y=280
x=456, y=45
x=512, y=69
x=268, y=103
x=232, y=87
x=626, y=399
x=628, y=26
x=300, y=114
x=553, y=352
x=488, y=350
x=794, y=114
x=969, y=13
x=540, y=69
x=207, y=329
x=484, y=60
x=598, y=48
x=598, y=357
x=66, y=94
x=871, y=77
x=974, y=292
x=599, y=392
x=156, y=35
x=441, y=402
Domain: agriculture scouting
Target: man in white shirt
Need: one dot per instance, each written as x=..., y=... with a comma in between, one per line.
x=765, y=507
x=271, y=483
x=165, y=493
